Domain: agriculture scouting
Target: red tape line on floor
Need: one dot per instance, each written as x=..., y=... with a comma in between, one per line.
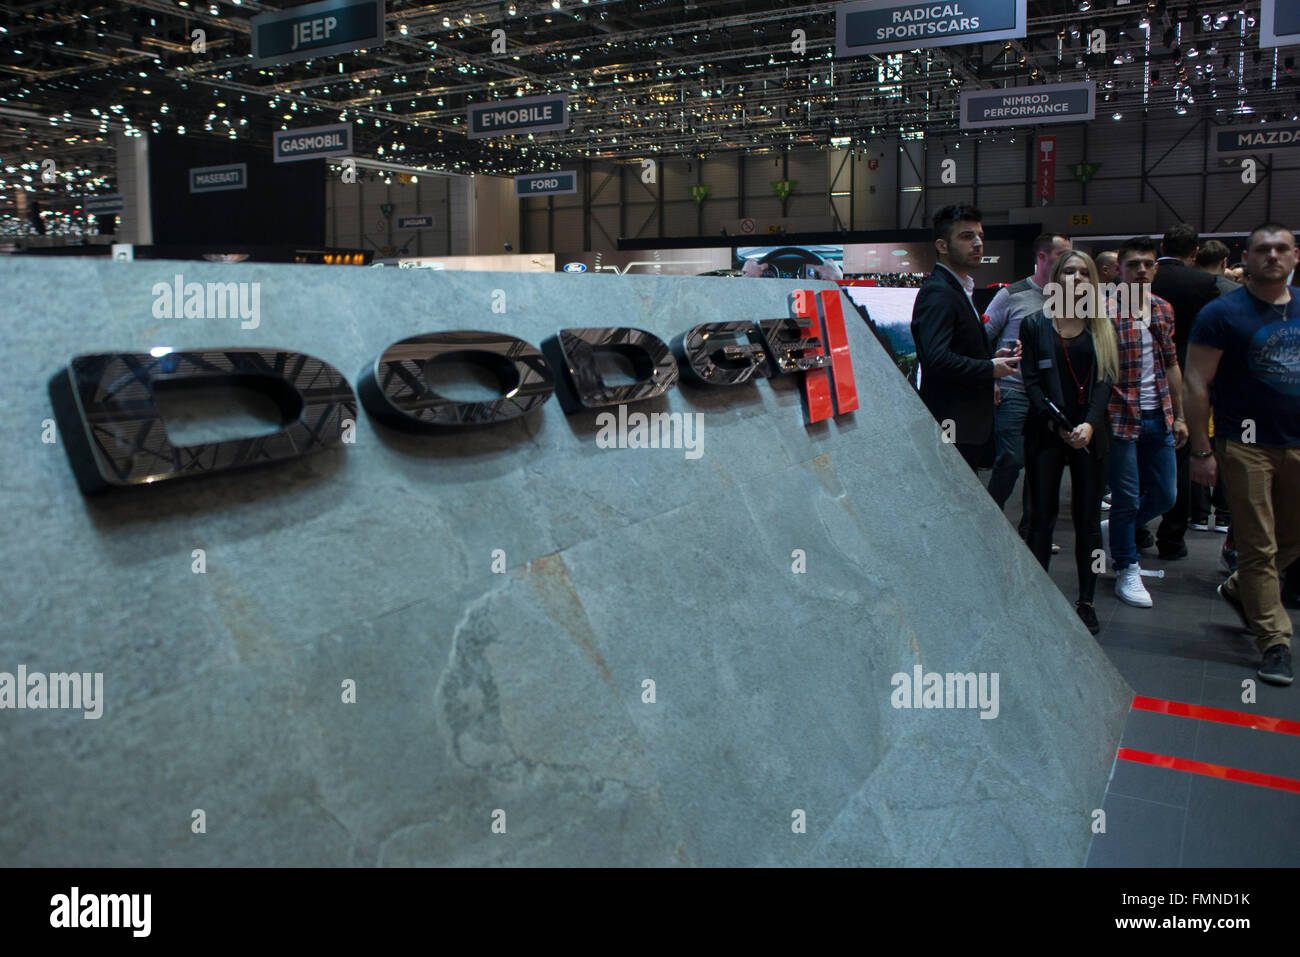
x=1210, y=770
x=1242, y=719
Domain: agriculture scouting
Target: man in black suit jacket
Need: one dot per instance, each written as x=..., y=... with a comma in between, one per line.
x=957, y=366
x=1188, y=290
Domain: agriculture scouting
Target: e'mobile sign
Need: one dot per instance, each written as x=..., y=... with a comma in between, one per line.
x=885, y=26
x=546, y=184
x=289, y=146
x=1027, y=105
x=531, y=114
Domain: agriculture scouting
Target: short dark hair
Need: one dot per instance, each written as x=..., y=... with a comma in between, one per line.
x=1043, y=242
x=1180, y=241
x=1268, y=228
x=1212, y=251
x=949, y=216
x=1142, y=244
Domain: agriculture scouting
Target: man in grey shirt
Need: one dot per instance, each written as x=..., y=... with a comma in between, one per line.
x=1012, y=304
x=1212, y=257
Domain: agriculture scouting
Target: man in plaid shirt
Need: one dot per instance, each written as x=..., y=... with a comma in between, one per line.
x=1146, y=417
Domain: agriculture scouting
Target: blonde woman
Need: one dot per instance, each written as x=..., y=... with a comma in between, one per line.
x=1070, y=361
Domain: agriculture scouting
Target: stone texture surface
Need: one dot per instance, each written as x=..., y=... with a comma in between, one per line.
x=523, y=691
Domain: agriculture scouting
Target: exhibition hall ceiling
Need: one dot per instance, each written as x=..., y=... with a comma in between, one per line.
x=656, y=78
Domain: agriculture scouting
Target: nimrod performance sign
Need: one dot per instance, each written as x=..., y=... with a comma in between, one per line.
x=1028, y=105
x=884, y=26
x=316, y=142
x=115, y=437
x=530, y=114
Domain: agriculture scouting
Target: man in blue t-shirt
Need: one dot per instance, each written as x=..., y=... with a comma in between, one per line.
x=1246, y=345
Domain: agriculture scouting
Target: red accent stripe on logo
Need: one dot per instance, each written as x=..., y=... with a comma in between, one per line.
x=1210, y=770
x=837, y=344
x=816, y=382
x=1241, y=719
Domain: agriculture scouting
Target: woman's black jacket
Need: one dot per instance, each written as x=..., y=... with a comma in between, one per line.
x=1043, y=379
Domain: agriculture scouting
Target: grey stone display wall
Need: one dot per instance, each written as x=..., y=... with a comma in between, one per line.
x=522, y=692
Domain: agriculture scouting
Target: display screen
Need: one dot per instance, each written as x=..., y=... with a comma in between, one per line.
x=889, y=309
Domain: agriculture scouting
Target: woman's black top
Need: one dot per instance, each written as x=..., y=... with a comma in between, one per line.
x=1075, y=366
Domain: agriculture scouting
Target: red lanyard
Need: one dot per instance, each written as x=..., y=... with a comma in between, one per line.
x=1066, y=349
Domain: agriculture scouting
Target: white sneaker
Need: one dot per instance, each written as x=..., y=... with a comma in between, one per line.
x=1129, y=588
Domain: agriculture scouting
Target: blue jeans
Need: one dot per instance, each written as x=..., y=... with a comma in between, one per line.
x=1143, y=484
x=1008, y=434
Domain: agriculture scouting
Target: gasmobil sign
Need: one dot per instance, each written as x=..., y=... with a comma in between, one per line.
x=115, y=437
x=315, y=142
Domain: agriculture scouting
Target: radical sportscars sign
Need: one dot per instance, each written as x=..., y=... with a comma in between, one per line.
x=106, y=407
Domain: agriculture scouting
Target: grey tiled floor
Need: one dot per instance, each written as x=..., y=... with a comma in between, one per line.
x=1188, y=648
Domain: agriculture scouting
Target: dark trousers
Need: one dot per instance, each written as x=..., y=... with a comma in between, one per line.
x=1173, y=527
x=1009, y=442
x=1203, y=498
x=1046, y=459
x=977, y=455
x=1291, y=582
